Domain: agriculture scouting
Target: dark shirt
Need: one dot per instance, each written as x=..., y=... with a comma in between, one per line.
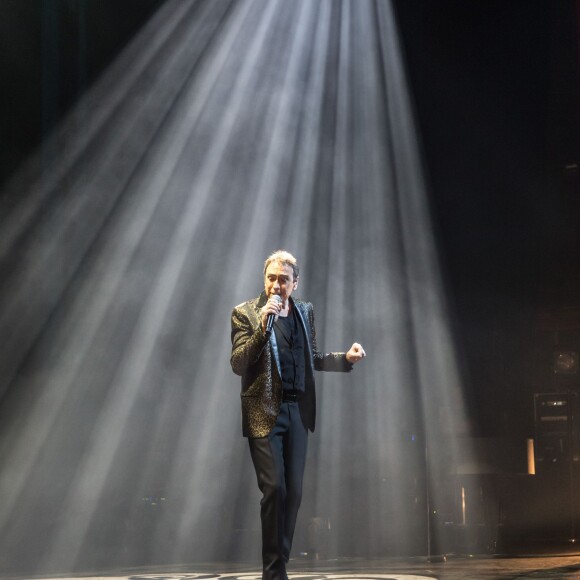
x=290, y=341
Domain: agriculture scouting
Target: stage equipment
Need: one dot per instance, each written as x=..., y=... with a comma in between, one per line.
x=565, y=362
x=558, y=445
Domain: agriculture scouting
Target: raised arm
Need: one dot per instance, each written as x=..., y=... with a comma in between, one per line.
x=329, y=361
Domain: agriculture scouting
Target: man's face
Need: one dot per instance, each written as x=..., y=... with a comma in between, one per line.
x=279, y=279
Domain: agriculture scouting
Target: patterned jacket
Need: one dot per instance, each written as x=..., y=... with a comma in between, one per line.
x=255, y=358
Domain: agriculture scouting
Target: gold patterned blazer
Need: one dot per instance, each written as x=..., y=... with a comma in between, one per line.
x=255, y=359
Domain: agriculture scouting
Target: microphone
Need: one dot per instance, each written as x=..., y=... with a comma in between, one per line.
x=272, y=317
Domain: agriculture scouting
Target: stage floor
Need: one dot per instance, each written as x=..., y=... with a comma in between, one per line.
x=564, y=567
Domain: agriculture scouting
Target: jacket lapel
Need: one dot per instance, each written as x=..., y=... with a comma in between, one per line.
x=302, y=319
x=274, y=347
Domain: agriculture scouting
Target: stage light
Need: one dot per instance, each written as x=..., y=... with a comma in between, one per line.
x=226, y=130
x=565, y=362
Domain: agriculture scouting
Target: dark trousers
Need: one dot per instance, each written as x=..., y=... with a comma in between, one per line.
x=279, y=461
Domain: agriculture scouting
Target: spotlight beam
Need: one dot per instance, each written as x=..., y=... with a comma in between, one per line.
x=228, y=129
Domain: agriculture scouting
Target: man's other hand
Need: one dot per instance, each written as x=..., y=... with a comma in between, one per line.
x=355, y=354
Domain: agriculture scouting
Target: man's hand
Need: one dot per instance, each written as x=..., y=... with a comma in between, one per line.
x=355, y=354
x=273, y=306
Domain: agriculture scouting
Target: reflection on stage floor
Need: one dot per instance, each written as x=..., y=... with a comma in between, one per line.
x=537, y=567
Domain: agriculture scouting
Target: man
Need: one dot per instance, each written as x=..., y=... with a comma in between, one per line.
x=278, y=398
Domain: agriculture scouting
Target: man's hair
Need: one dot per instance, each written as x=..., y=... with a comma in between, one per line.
x=283, y=257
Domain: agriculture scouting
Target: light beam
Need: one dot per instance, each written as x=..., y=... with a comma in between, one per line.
x=227, y=129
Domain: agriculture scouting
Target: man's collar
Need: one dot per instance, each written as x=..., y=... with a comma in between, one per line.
x=262, y=299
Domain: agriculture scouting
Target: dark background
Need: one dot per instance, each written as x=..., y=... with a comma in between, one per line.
x=495, y=87
x=496, y=92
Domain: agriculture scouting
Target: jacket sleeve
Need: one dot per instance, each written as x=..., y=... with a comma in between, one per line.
x=248, y=342
x=330, y=361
